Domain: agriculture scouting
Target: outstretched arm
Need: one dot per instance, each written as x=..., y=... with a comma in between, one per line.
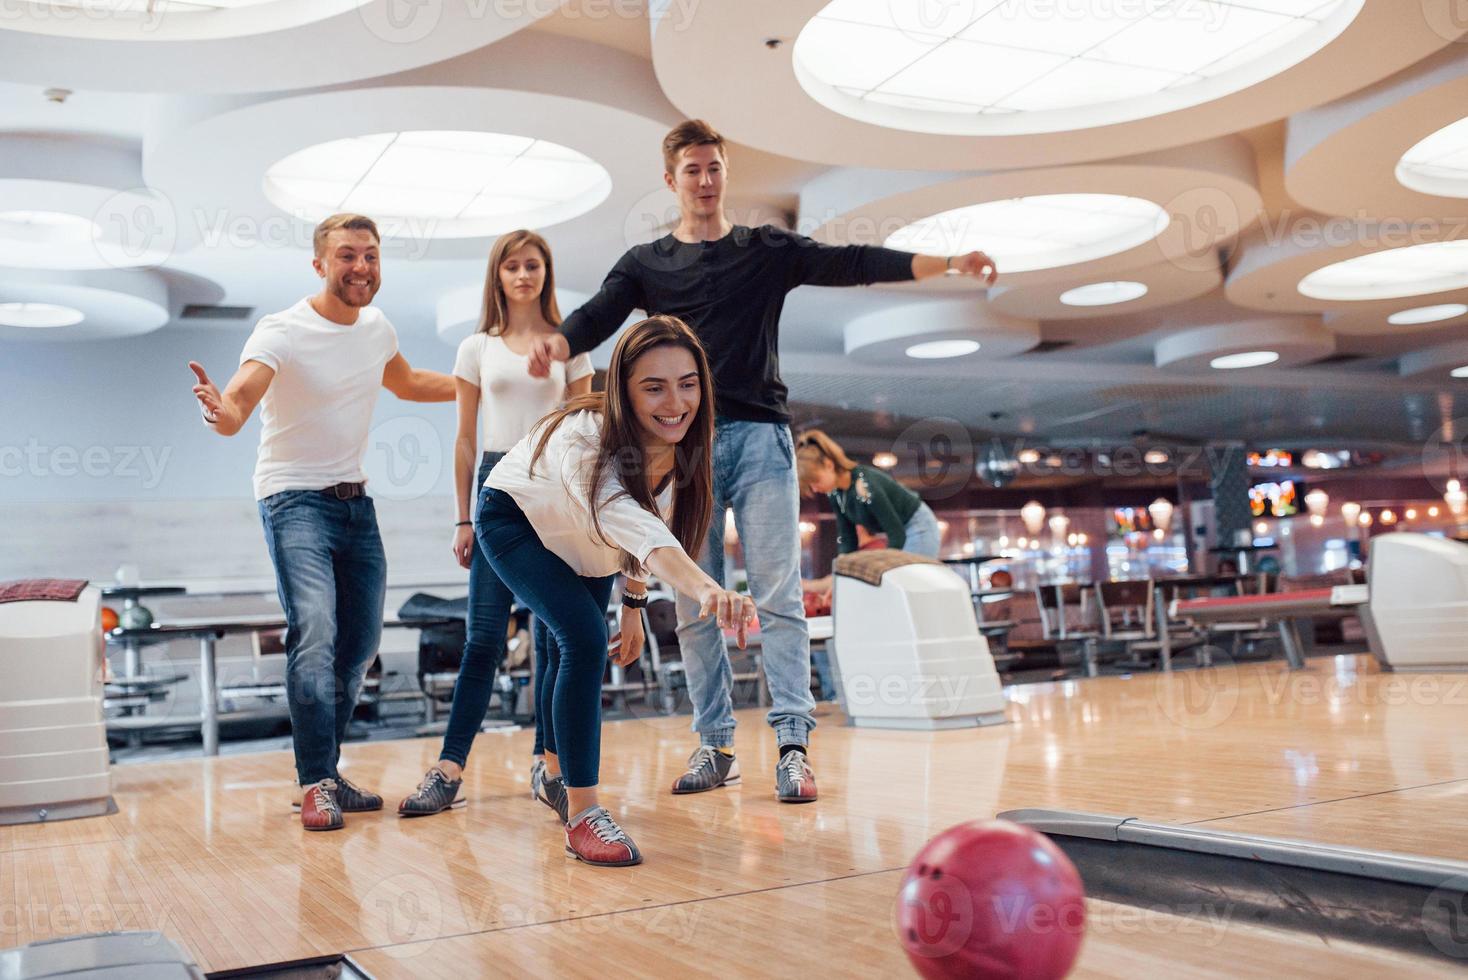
x=227, y=412
x=416, y=385
x=861, y=265
x=592, y=322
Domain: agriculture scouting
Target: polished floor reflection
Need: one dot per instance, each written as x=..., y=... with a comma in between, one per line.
x=735, y=883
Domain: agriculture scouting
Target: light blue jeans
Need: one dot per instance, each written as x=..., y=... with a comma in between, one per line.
x=923, y=536
x=754, y=473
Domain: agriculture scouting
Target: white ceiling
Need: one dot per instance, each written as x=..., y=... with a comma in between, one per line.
x=594, y=75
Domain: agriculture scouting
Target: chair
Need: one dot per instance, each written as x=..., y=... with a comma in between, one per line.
x=1126, y=609
x=1065, y=615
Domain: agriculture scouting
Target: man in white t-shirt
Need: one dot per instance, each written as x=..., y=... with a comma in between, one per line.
x=315, y=370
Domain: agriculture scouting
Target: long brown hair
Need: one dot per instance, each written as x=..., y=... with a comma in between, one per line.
x=812, y=448
x=494, y=311
x=620, y=451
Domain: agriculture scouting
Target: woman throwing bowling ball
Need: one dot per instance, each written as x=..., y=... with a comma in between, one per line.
x=618, y=480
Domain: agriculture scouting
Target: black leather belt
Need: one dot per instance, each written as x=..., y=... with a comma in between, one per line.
x=346, y=491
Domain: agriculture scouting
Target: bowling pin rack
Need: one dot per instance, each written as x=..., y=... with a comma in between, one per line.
x=1404, y=902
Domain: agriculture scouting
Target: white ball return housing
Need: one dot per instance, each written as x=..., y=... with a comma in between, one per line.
x=1418, y=611
x=53, y=740
x=907, y=649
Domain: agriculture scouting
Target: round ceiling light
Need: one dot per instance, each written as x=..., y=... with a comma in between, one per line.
x=39, y=315
x=996, y=67
x=1427, y=314
x=1104, y=293
x=440, y=184
x=32, y=228
x=934, y=349
x=1412, y=270
x=1022, y=234
x=1244, y=359
x=1438, y=164
x=1460, y=372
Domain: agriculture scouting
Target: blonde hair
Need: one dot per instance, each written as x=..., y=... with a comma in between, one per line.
x=494, y=311
x=812, y=449
x=341, y=222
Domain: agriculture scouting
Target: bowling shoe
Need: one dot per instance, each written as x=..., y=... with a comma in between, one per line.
x=708, y=768
x=435, y=794
x=354, y=799
x=596, y=839
x=795, y=781
x=319, y=810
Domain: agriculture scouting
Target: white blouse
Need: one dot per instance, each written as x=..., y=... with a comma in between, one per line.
x=555, y=500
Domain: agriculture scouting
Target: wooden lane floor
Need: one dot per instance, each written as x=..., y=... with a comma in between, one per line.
x=208, y=850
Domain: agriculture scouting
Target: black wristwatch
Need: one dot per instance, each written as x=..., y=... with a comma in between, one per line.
x=634, y=601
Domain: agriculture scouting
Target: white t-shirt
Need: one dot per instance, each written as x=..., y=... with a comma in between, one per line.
x=555, y=500
x=317, y=412
x=510, y=400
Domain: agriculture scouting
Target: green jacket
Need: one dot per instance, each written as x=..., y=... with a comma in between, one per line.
x=876, y=502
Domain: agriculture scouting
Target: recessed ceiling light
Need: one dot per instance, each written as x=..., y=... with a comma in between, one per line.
x=47, y=228
x=1104, y=293
x=1428, y=314
x=1460, y=372
x=440, y=184
x=38, y=315
x=1438, y=164
x=1411, y=270
x=942, y=348
x=1022, y=234
x=1155, y=457
x=885, y=460
x=1013, y=66
x=1244, y=359
x=1028, y=456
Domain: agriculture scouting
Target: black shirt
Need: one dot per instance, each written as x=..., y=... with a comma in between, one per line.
x=731, y=292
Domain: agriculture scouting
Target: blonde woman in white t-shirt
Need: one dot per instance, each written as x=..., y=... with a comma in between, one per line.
x=498, y=403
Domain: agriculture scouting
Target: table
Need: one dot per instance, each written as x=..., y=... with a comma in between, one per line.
x=130, y=594
x=1286, y=609
x=973, y=562
x=209, y=630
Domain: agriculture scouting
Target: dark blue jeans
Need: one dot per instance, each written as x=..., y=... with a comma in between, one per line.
x=573, y=608
x=331, y=575
x=484, y=646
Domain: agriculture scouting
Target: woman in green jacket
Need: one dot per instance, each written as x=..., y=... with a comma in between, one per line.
x=865, y=496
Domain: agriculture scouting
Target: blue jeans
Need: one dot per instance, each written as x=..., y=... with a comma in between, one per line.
x=484, y=646
x=544, y=651
x=754, y=473
x=923, y=534
x=573, y=608
x=331, y=575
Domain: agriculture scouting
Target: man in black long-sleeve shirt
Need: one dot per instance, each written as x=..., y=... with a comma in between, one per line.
x=728, y=282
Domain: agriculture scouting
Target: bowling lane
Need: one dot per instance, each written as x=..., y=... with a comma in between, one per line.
x=1427, y=820
x=826, y=928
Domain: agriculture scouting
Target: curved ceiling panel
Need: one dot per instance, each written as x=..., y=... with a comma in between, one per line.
x=215, y=46
x=697, y=50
